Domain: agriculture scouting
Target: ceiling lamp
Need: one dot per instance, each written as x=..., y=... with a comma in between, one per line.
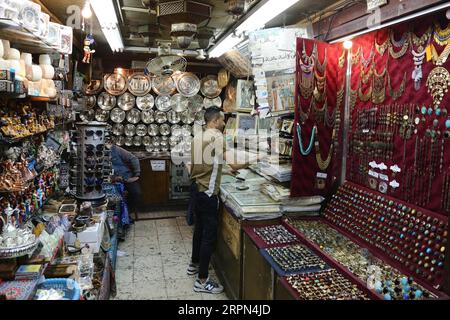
x=86, y=12
x=106, y=15
x=183, y=33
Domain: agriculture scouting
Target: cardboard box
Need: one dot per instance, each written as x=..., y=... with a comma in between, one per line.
x=92, y=236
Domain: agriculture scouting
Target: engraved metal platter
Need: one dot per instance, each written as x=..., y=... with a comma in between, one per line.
x=148, y=116
x=115, y=84
x=137, y=141
x=216, y=102
x=164, y=85
x=153, y=130
x=188, y=84
x=139, y=84
x=130, y=130
x=146, y=141
x=160, y=117
x=173, y=117
x=126, y=101
x=134, y=116
x=120, y=141
x=87, y=115
x=186, y=130
x=179, y=103
x=91, y=102
x=210, y=87
x=146, y=102
x=129, y=141
x=93, y=87
x=195, y=103
x=176, y=130
x=164, y=129
x=101, y=115
x=118, y=129
x=163, y=103
x=141, y=130
x=187, y=117
x=117, y=115
x=106, y=101
x=200, y=117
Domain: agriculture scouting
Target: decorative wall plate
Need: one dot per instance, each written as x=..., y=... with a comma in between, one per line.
x=141, y=130
x=146, y=102
x=130, y=130
x=146, y=141
x=126, y=101
x=186, y=130
x=176, y=130
x=139, y=84
x=195, y=103
x=91, y=101
x=134, y=116
x=148, y=116
x=164, y=129
x=118, y=129
x=179, y=102
x=210, y=87
x=188, y=84
x=216, y=102
x=44, y=20
x=187, y=117
x=137, y=141
x=53, y=37
x=129, y=141
x=29, y=15
x=120, y=141
x=153, y=130
x=223, y=78
x=173, y=117
x=66, y=34
x=160, y=117
x=101, y=115
x=115, y=84
x=87, y=115
x=164, y=85
x=117, y=115
x=93, y=87
x=156, y=141
x=200, y=117
x=106, y=101
x=163, y=103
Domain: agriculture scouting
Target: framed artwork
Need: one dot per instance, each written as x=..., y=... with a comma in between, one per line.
x=287, y=126
x=245, y=95
x=245, y=124
x=281, y=92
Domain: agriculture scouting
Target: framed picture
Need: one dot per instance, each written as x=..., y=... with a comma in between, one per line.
x=281, y=92
x=245, y=95
x=246, y=124
x=287, y=126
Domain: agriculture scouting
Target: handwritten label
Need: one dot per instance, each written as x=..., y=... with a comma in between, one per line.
x=322, y=175
x=158, y=165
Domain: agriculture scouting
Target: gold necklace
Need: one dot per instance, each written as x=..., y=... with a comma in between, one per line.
x=355, y=57
x=379, y=85
x=438, y=80
x=320, y=89
x=340, y=96
x=441, y=36
x=323, y=164
x=393, y=93
x=342, y=59
x=321, y=67
x=403, y=43
x=319, y=113
x=381, y=48
x=304, y=115
x=364, y=97
x=422, y=40
x=440, y=59
x=366, y=75
x=306, y=77
x=366, y=62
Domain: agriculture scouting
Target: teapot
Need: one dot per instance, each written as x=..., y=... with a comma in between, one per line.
x=9, y=229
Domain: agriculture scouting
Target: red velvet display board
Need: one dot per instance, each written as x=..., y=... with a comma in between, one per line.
x=305, y=168
x=417, y=184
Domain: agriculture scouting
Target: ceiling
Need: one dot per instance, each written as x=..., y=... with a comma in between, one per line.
x=140, y=28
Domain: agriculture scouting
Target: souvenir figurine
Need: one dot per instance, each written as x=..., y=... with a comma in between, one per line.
x=88, y=51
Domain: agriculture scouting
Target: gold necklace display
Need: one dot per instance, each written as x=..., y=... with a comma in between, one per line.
x=441, y=36
x=379, y=85
x=395, y=94
x=323, y=164
x=321, y=67
x=403, y=43
x=364, y=97
x=341, y=60
x=320, y=89
x=381, y=48
x=439, y=78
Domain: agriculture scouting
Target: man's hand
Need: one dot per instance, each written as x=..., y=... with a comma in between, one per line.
x=133, y=179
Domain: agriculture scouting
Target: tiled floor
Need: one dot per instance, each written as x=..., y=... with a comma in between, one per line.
x=154, y=267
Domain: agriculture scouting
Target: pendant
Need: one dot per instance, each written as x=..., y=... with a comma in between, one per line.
x=437, y=84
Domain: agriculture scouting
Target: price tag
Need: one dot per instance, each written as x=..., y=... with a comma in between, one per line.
x=322, y=175
x=158, y=165
x=384, y=177
x=373, y=174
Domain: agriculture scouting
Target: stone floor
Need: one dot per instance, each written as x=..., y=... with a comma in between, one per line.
x=157, y=253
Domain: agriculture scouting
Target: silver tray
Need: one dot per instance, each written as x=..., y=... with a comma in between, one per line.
x=149, y=148
x=188, y=84
x=210, y=87
x=164, y=85
x=146, y=102
x=10, y=253
x=115, y=84
x=128, y=141
x=160, y=117
x=141, y=130
x=148, y=116
x=179, y=103
x=126, y=101
x=93, y=87
x=146, y=141
x=156, y=141
x=200, y=117
x=174, y=140
x=101, y=115
x=134, y=116
x=139, y=84
x=163, y=103
x=216, y=102
x=106, y=101
x=137, y=141
x=187, y=117
x=117, y=115
x=195, y=103
x=88, y=115
x=91, y=102
x=176, y=130
x=164, y=129
x=120, y=141
x=130, y=130
x=186, y=130
x=118, y=129
x=173, y=117
x=153, y=130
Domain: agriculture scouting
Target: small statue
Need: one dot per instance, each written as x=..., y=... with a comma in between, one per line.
x=88, y=51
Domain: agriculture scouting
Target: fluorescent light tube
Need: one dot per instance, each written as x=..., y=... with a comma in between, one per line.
x=106, y=15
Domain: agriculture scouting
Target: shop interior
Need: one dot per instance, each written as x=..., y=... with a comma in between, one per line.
x=337, y=110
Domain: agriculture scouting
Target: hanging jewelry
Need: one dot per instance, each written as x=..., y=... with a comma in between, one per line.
x=324, y=164
x=341, y=61
x=321, y=67
x=439, y=78
x=364, y=97
x=355, y=57
x=299, y=136
x=366, y=62
x=441, y=36
x=381, y=48
x=319, y=113
x=304, y=115
x=306, y=80
x=340, y=96
x=379, y=85
x=330, y=118
x=419, y=55
x=440, y=59
x=395, y=94
x=320, y=89
x=366, y=75
x=403, y=43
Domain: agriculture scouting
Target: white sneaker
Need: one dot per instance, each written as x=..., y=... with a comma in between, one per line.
x=208, y=287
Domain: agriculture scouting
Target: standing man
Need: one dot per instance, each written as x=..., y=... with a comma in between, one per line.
x=208, y=153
